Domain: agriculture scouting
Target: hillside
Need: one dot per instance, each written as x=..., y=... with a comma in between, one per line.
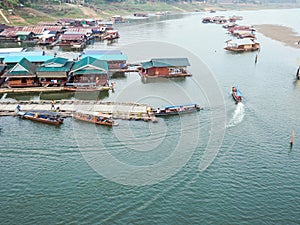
x=52, y=12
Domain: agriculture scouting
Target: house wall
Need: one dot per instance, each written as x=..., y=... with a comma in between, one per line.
x=115, y=64
x=53, y=75
x=22, y=82
x=158, y=71
x=101, y=79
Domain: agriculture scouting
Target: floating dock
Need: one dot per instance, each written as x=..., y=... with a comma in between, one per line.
x=118, y=110
x=49, y=89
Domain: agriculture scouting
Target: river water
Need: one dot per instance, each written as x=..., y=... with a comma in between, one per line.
x=227, y=164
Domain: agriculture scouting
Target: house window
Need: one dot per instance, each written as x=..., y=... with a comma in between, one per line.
x=24, y=81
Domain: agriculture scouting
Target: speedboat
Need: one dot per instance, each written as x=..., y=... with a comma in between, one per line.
x=236, y=94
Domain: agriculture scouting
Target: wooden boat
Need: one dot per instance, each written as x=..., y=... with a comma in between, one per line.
x=207, y=20
x=43, y=116
x=236, y=94
x=96, y=118
x=111, y=35
x=177, y=109
x=242, y=45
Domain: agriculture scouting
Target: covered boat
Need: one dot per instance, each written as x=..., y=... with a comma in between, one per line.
x=43, y=116
x=236, y=94
x=242, y=45
x=94, y=117
x=177, y=109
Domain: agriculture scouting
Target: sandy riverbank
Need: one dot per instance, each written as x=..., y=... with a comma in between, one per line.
x=280, y=33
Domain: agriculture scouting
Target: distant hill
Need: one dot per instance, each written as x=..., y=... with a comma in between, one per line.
x=30, y=12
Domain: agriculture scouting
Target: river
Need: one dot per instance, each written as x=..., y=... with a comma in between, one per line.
x=227, y=164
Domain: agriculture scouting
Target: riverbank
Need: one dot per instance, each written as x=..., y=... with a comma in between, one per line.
x=280, y=33
x=54, y=11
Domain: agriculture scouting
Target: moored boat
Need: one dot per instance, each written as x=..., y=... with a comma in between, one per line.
x=94, y=117
x=242, y=45
x=43, y=116
x=177, y=109
x=236, y=94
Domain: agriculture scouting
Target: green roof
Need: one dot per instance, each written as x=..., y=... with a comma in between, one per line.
x=65, y=68
x=24, y=67
x=166, y=62
x=57, y=61
x=89, y=64
x=109, y=57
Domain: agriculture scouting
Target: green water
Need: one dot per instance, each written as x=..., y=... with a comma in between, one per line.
x=146, y=173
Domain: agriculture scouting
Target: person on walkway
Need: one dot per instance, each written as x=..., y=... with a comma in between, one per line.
x=52, y=105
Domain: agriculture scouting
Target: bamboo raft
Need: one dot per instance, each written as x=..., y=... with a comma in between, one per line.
x=118, y=110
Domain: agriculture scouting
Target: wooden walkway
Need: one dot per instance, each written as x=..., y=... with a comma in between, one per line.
x=118, y=110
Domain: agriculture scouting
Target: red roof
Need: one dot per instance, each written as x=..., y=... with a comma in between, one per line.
x=34, y=29
x=53, y=28
x=70, y=37
x=10, y=32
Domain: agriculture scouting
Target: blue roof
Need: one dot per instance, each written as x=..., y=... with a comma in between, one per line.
x=31, y=58
x=102, y=52
x=24, y=54
x=183, y=105
x=108, y=57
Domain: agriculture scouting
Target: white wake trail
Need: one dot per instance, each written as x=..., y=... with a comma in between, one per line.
x=238, y=115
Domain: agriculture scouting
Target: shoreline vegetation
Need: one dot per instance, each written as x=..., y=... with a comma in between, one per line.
x=37, y=13
x=24, y=16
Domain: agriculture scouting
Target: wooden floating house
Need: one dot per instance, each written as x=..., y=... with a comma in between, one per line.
x=88, y=72
x=75, y=40
x=111, y=35
x=36, y=58
x=116, y=60
x=165, y=67
x=22, y=75
x=54, y=72
x=242, y=45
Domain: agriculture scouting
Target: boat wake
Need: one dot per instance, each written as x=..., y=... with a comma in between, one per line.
x=238, y=115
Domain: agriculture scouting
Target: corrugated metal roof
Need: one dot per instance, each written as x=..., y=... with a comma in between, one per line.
x=108, y=57
x=23, y=67
x=53, y=28
x=166, y=62
x=24, y=54
x=23, y=33
x=56, y=60
x=102, y=52
x=68, y=37
x=31, y=58
x=11, y=50
x=34, y=29
x=10, y=32
x=2, y=68
x=65, y=68
x=89, y=62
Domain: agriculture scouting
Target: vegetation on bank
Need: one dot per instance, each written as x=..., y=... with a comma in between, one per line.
x=30, y=12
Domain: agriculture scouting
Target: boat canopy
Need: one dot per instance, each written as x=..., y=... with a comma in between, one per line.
x=244, y=41
x=238, y=92
x=93, y=113
x=183, y=105
x=42, y=112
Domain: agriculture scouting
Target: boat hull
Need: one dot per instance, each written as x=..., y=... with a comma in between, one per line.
x=43, y=117
x=236, y=98
x=164, y=112
x=108, y=123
